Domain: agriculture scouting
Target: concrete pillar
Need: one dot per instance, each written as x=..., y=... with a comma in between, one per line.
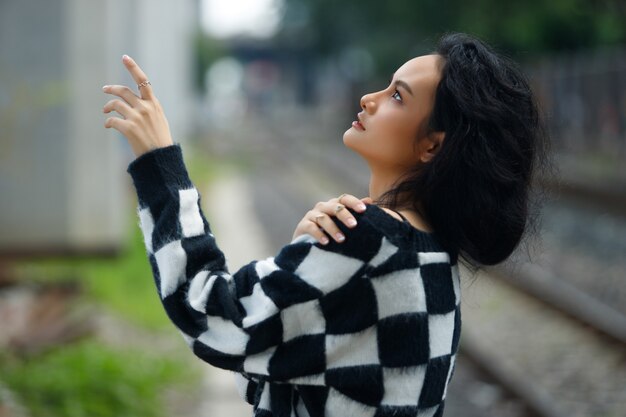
x=63, y=181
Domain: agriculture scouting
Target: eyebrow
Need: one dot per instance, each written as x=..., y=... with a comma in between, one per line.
x=405, y=86
x=401, y=84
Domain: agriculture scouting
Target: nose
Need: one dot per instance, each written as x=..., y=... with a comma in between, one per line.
x=368, y=102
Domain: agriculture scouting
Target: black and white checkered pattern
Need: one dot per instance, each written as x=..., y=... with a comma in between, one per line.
x=368, y=327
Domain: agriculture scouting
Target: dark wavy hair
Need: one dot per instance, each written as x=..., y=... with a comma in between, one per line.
x=477, y=191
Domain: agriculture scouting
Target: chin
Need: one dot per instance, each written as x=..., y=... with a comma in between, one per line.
x=349, y=140
x=352, y=142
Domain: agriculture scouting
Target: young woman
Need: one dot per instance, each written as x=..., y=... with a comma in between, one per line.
x=368, y=323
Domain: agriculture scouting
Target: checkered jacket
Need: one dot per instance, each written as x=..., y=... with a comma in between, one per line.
x=368, y=327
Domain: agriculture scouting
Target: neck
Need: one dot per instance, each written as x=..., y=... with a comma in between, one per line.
x=381, y=182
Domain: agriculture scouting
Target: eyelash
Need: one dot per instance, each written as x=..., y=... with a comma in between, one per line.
x=398, y=93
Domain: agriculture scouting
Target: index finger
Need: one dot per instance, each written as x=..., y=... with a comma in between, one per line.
x=138, y=75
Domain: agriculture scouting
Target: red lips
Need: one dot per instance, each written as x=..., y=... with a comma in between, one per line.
x=358, y=124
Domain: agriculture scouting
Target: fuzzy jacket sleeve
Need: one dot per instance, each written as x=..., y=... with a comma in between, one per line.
x=264, y=320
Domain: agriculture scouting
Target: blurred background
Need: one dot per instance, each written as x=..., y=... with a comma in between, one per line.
x=259, y=93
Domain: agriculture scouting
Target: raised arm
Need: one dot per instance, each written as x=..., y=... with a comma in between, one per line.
x=265, y=320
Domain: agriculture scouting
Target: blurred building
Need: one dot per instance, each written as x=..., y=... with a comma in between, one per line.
x=62, y=174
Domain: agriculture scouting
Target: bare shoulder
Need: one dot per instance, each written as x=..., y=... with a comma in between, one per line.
x=392, y=213
x=413, y=217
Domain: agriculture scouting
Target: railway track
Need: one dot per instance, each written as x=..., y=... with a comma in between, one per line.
x=580, y=306
x=610, y=198
x=593, y=332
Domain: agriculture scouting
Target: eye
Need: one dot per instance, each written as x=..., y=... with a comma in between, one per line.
x=396, y=95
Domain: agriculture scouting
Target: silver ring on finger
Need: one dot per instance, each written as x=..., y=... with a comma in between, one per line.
x=143, y=84
x=340, y=197
x=339, y=208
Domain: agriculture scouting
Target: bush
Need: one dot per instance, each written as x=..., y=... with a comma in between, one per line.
x=88, y=379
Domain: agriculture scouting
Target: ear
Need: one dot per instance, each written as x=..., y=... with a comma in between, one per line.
x=432, y=144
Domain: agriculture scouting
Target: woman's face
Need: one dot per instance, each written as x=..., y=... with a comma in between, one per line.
x=391, y=131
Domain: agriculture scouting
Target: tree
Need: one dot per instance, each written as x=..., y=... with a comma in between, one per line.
x=395, y=30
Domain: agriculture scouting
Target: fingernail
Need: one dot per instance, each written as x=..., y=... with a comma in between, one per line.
x=361, y=206
x=340, y=237
x=351, y=222
x=324, y=240
x=104, y=87
x=125, y=57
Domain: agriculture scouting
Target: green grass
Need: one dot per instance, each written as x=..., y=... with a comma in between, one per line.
x=88, y=379
x=123, y=284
